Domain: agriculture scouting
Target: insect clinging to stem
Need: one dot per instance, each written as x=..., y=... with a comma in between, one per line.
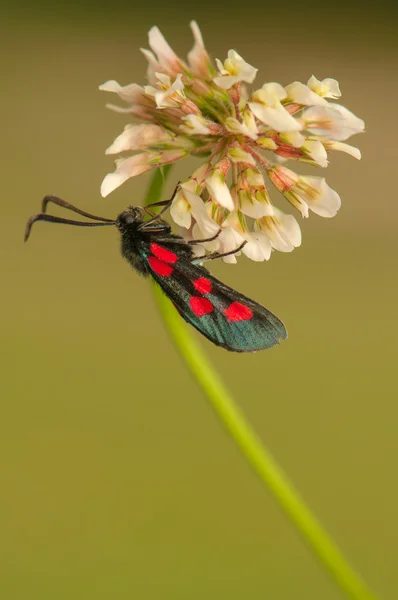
x=226, y=317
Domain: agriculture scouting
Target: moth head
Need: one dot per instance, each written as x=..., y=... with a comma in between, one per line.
x=134, y=214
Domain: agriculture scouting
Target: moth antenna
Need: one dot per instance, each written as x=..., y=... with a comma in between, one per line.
x=53, y=219
x=59, y=202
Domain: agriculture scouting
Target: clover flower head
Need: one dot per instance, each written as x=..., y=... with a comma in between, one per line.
x=245, y=137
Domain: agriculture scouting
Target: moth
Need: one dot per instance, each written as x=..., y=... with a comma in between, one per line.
x=224, y=316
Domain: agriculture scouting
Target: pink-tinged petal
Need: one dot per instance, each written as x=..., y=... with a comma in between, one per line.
x=132, y=93
x=195, y=125
x=166, y=57
x=125, y=168
x=282, y=178
x=153, y=65
x=138, y=137
x=167, y=157
x=333, y=122
x=320, y=198
x=198, y=59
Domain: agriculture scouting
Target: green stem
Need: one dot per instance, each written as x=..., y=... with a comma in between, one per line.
x=250, y=444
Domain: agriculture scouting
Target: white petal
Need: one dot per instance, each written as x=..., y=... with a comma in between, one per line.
x=294, y=138
x=170, y=93
x=302, y=94
x=253, y=178
x=236, y=154
x=316, y=151
x=125, y=168
x=235, y=69
x=137, y=137
x=235, y=126
x=342, y=147
x=198, y=234
x=251, y=207
x=220, y=67
x=328, y=88
x=236, y=65
x=321, y=199
x=283, y=231
x=110, y=86
x=180, y=210
x=225, y=82
x=270, y=94
x=351, y=123
x=199, y=212
x=277, y=118
x=249, y=122
x=111, y=182
x=267, y=143
x=229, y=240
x=258, y=247
x=219, y=190
x=194, y=125
x=288, y=228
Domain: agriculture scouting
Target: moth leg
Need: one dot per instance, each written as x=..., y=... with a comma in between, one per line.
x=210, y=239
x=189, y=242
x=201, y=259
x=157, y=228
x=164, y=203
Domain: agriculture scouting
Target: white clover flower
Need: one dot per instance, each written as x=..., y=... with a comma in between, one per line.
x=205, y=110
x=267, y=107
x=328, y=88
x=302, y=94
x=332, y=122
x=234, y=70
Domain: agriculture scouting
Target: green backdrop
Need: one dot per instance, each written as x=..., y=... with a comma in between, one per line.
x=116, y=478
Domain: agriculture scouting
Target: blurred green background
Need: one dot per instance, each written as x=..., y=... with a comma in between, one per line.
x=117, y=481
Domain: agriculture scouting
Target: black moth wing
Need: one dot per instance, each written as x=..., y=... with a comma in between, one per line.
x=223, y=315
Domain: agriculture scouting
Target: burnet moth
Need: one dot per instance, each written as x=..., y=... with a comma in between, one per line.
x=223, y=315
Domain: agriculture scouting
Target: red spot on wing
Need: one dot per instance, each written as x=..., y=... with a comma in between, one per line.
x=203, y=285
x=163, y=253
x=238, y=312
x=160, y=267
x=200, y=306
